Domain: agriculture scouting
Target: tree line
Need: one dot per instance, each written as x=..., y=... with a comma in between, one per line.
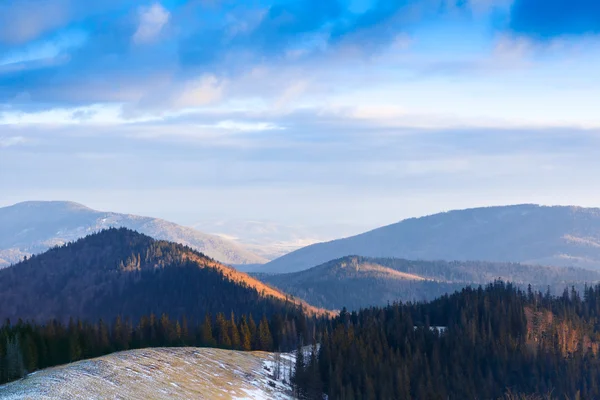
x=26, y=347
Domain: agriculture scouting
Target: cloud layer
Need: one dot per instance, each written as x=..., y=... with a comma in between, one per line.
x=341, y=110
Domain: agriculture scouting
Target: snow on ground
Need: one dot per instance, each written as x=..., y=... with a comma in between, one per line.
x=175, y=373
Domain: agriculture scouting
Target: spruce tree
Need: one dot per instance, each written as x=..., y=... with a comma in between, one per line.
x=207, y=339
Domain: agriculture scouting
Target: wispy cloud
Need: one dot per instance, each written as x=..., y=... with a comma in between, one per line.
x=151, y=22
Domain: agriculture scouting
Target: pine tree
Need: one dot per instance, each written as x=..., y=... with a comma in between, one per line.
x=207, y=338
x=245, y=335
x=253, y=333
x=265, y=337
x=102, y=338
x=15, y=367
x=313, y=377
x=223, y=339
x=75, y=351
x=30, y=354
x=298, y=376
x=234, y=333
x=185, y=331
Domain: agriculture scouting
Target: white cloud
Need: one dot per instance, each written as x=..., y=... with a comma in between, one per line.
x=242, y=126
x=152, y=21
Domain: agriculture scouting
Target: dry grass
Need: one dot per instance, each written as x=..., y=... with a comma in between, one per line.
x=148, y=374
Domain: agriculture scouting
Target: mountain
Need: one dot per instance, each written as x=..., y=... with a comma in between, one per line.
x=121, y=272
x=532, y=234
x=357, y=282
x=35, y=226
x=175, y=373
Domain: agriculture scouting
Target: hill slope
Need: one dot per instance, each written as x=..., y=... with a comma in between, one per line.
x=560, y=236
x=357, y=282
x=177, y=373
x=33, y=227
x=121, y=272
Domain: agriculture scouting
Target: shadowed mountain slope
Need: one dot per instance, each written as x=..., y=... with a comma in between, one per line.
x=357, y=282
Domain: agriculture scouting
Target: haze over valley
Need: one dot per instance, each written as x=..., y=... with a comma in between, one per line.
x=272, y=240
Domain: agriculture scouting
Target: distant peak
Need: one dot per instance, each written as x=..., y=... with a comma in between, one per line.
x=52, y=204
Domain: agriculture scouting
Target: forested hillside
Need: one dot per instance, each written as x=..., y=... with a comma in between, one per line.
x=356, y=282
x=476, y=344
x=121, y=272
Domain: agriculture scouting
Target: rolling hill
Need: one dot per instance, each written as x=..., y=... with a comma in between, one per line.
x=531, y=234
x=356, y=282
x=121, y=272
x=34, y=227
x=174, y=373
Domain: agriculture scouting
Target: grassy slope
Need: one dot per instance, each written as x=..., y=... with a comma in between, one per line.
x=176, y=373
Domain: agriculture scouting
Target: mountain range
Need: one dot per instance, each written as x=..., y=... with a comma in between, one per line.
x=358, y=282
x=33, y=227
x=531, y=234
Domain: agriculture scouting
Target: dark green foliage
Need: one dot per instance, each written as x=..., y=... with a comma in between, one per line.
x=497, y=340
x=26, y=347
x=265, y=339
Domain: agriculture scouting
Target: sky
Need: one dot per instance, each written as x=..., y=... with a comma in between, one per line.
x=308, y=113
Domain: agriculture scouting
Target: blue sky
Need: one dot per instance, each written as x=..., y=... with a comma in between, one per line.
x=357, y=112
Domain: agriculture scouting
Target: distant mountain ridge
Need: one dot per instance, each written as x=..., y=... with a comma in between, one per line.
x=532, y=234
x=358, y=282
x=33, y=227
